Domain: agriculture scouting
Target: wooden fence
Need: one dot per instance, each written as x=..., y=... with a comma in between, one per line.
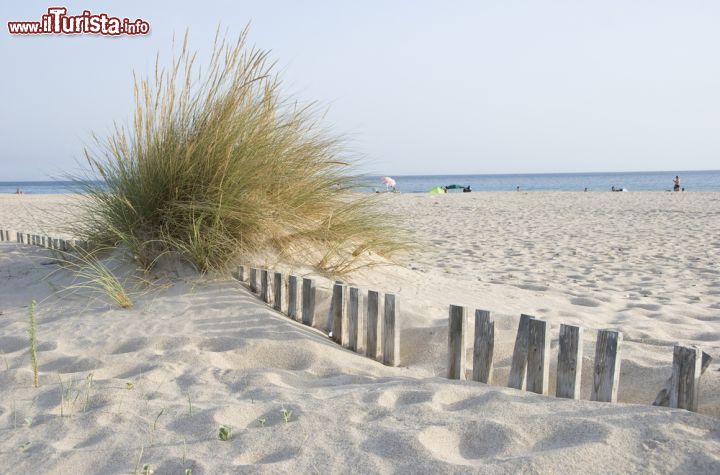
x=531, y=357
x=377, y=336
x=365, y=331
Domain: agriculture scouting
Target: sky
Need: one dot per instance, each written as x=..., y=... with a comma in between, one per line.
x=416, y=87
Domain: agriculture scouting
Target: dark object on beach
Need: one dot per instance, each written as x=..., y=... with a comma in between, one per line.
x=517, y=189
x=455, y=187
x=676, y=184
x=467, y=189
x=586, y=189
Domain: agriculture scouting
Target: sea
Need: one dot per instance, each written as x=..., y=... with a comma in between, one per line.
x=692, y=181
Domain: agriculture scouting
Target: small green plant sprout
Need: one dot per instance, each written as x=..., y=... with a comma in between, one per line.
x=154, y=426
x=286, y=415
x=88, y=386
x=188, y=471
x=139, y=461
x=147, y=469
x=262, y=421
x=33, y=343
x=129, y=386
x=225, y=433
x=24, y=446
x=28, y=422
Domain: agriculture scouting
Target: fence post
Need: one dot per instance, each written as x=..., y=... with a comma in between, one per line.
x=277, y=291
x=569, y=364
x=685, y=378
x=292, y=297
x=457, y=319
x=538, y=362
x=337, y=311
x=371, y=322
x=483, y=347
x=253, y=279
x=308, y=301
x=606, y=370
x=241, y=273
x=353, y=318
x=663, y=396
x=391, y=331
x=264, y=286
x=516, y=379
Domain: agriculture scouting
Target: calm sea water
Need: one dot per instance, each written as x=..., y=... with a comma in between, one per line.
x=631, y=181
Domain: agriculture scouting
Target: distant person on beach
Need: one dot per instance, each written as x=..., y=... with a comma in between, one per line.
x=18, y=191
x=518, y=188
x=586, y=189
x=613, y=188
x=467, y=189
x=676, y=181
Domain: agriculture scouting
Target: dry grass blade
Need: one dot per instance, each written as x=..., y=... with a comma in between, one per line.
x=93, y=275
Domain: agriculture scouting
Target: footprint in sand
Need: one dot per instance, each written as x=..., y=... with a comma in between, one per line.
x=585, y=302
x=469, y=443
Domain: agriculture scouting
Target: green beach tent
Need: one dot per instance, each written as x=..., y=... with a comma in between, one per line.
x=437, y=190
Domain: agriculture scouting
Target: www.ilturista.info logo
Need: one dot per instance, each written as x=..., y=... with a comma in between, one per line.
x=58, y=22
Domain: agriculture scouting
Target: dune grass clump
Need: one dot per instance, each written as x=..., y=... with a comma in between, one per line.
x=93, y=275
x=217, y=164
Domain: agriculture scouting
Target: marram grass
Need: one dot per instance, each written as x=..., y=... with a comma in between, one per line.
x=217, y=164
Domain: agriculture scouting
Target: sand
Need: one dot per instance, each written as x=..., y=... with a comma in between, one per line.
x=120, y=388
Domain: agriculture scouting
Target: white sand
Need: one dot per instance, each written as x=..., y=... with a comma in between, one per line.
x=643, y=263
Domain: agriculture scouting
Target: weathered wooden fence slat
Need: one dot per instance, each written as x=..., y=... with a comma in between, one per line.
x=538, y=361
x=277, y=291
x=457, y=319
x=516, y=378
x=264, y=286
x=686, y=372
x=292, y=297
x=241, y=273
x=483, y=347
x=371, y=327
x=308, y=301
x=353, y=318
x=606, y=369
x=391, y=331
x=337, y=313
x=253, y=279
x=663, y=397
x=569, y=364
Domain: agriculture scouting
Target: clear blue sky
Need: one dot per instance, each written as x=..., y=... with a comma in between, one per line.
x=420, y=87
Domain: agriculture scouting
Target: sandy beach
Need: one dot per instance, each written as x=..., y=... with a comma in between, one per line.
x=120, y=388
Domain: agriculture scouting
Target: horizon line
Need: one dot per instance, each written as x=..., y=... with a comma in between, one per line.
x=373, y=174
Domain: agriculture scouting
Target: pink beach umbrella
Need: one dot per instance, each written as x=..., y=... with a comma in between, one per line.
x=388, y=182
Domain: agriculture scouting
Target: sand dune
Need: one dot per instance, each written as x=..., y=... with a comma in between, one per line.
x=193, y=354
